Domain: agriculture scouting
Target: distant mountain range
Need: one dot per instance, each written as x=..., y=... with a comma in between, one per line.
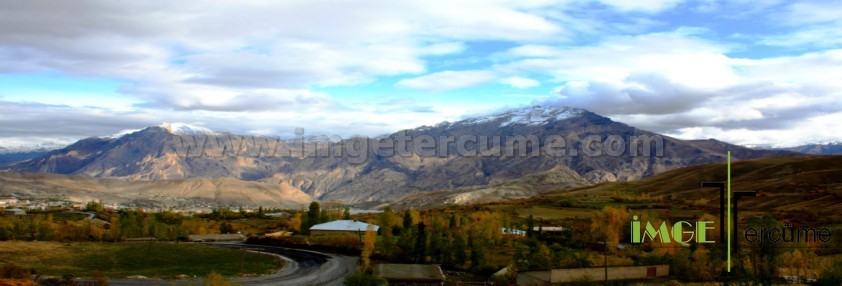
x=14, y=154
x=180, y=151
x=830, y=148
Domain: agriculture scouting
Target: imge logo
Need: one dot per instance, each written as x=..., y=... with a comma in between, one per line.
x=682, y=231
x=685, y=232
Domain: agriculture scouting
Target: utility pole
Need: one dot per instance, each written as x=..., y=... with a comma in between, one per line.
x=604, y=243
x=605, y=252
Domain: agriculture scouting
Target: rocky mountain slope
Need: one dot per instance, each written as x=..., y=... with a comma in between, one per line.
x=319, y=170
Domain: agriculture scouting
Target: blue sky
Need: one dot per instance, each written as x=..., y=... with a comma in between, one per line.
x=747, y=72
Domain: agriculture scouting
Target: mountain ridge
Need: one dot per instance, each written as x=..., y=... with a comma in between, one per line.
x=157, y=153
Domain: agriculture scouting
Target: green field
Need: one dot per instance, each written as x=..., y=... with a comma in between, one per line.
x=158, y=260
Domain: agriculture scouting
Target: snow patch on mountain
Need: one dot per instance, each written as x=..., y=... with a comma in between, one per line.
x=533, y=115
x=120, y=134
x=179, y=128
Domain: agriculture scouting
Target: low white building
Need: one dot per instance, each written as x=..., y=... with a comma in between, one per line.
x=14, y=212
x=340, y=227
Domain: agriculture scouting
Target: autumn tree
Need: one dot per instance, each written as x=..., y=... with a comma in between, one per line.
x=387, y=221
x=368, y=245
x=609, y=223
x=294, y=223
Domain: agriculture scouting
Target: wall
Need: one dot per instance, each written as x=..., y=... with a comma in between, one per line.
x=591, y=274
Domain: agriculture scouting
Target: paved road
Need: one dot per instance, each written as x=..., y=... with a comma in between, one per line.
x=304, y=267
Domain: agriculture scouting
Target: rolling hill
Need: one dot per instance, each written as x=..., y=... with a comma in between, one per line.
x=805, y=188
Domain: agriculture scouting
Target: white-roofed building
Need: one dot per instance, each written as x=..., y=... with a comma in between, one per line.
x=340, y=227
x=15, y=212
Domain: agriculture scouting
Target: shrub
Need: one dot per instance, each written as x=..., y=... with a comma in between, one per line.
x=831, y=276
x=359, y=278
x=215, y=279
x=13, y=271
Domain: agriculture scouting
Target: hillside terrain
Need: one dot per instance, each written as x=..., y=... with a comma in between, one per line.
x=199, y=193
x=806, y=189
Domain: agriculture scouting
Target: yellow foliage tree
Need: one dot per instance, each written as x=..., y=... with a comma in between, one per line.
x=295, y=222
x=368, y=245
x=609, y=223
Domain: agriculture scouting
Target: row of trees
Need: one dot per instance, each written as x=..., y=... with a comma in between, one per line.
x=113, y=227
x=455, y=241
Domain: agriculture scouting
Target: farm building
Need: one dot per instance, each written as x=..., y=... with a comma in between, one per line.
x=340, y=227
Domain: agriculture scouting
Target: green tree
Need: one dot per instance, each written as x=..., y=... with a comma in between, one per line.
x=477, y=254
x=407, y=220
x=95, y=206
x=406, y=244
x=421, y=243
x=530, y=224
x=459, y=248
x=226, y=228
x=346, y=214
x=313, y=215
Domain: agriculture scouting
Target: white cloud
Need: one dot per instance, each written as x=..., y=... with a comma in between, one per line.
x=520, y=82
x=218, y=48
x=263, y=62
x=678, y=84
x=447, y=80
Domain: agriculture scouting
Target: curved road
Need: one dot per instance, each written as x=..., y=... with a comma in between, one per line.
x=304, y=267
